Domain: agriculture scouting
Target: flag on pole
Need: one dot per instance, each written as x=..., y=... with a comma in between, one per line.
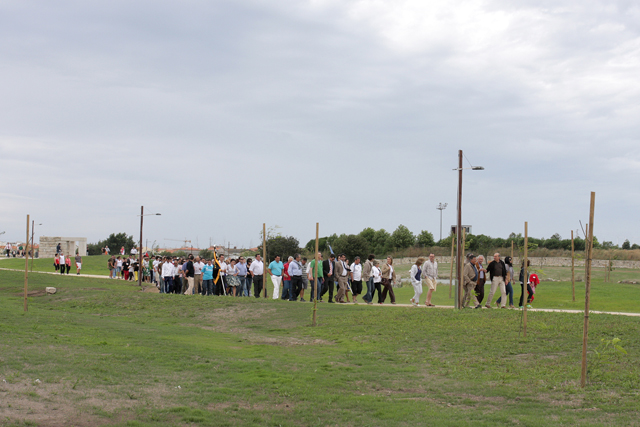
x=331, y=249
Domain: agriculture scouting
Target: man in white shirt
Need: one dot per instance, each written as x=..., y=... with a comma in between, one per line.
x=167, y=276
x=257, y=274
x=356, y=278
x=134, y=251
x=222, y=283
x=8, y=248
x=197, y=275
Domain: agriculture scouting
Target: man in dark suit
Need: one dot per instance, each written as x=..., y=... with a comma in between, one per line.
x=328, y=270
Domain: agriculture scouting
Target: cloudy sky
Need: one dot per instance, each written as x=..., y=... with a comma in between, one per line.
x=222, y=115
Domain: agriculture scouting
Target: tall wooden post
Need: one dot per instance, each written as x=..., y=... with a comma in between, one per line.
x=586, y=251
x=459, y=260
x=264, y=258
x=524, y=278
x=573, y=270
x=33, y=246
x=512, y=251
x=140, y=251
x=461, y=267
x=583, y=379
x=315, y=276
x=26, y=267
x=451, y=273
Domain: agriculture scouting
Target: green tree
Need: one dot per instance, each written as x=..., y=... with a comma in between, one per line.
x=322, y=244
x=381, y=242
x=626, y=244
x=284, y=246
x=425, y=239
x=351, y=245
x=115, y=242
x=402, y=238
x=369, y=235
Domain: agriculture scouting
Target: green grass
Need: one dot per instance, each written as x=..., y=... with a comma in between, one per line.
x=107, y=354
x=90, y=264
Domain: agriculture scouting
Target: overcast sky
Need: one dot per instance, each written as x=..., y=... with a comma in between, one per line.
x=222, y=115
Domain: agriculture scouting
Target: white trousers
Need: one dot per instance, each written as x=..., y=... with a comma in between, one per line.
x=277, y=280
x=498, y=281
x=417, y=291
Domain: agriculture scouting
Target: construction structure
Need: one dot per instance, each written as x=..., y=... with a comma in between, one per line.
x=68, y=246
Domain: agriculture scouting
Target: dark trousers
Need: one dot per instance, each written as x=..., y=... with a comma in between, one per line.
x=257, y=285
x=176, y=288
x=388, y=288
x=220, y=286
x=480, y=289
x=356, y=287
x=529, y=292
x=328, y=285
x=377, y=287
x=296, y=287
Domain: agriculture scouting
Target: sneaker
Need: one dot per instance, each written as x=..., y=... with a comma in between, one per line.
x=302, y=300
x=478, y=306
x=529, y=306
x=413, y=302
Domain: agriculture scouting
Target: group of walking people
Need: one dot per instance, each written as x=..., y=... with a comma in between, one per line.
x=501, y=275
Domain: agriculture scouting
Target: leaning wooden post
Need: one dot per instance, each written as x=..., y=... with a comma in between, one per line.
x=573, y=270
x=26, y=267
x=451, y=273
x=315, y=276
x=264, y=259
x=461, y=267
x=524, y=280
x=33, y=246
x=583, y=379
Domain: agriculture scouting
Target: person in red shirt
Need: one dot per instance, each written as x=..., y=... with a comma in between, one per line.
x=286, y=280
x=534, y=281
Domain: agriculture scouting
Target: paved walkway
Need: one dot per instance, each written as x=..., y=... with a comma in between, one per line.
x=548, y=310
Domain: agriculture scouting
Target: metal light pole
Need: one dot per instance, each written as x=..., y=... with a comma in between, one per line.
x=441, y=207
x=459, y=264
x=142, y=215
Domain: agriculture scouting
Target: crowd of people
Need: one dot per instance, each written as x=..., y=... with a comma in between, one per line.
x=292, y=280
x=501, y=275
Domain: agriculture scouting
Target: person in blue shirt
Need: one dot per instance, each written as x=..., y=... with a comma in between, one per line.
x=275, y=271
x=207, y=278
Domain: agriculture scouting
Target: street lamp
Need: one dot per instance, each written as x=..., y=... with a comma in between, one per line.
x=441, y=207
x=459, y=265
x=142, y=215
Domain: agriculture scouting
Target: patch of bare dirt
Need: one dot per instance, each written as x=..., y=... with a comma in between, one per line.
x=37, y=293
x=151, y=289
x=65, y=404
x=287, y=407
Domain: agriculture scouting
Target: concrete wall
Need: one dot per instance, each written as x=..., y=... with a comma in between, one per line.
x=48, y=246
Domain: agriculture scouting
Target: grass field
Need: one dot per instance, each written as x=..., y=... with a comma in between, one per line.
x=105, y=353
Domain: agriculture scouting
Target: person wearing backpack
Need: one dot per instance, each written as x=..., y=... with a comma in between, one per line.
x=416, y=281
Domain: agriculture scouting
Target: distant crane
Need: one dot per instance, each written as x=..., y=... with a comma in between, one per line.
x=185, y=241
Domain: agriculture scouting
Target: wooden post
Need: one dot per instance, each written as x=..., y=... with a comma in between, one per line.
x=586, y=251
x=451, y=273
x=524, y=278
x=26, y=267
x=33, y=250
x=583, y=379
x=264, y=258
x=315, y=276
x=140, y=251
x=512, y=251
x=461, y=267
x=573, y=270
